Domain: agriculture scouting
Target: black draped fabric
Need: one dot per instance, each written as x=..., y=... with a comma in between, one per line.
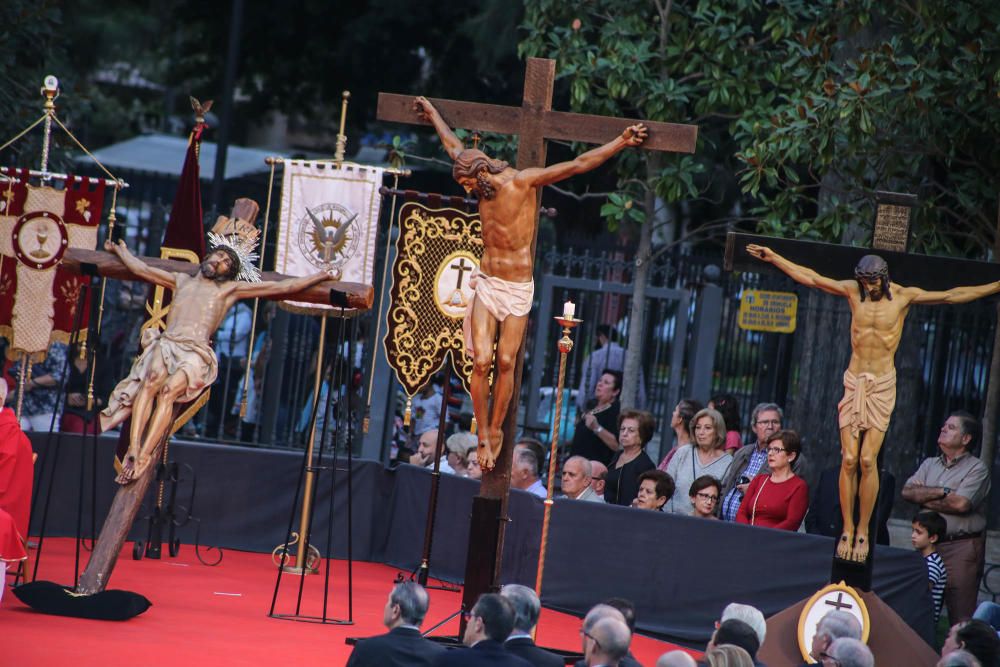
x=679, y=571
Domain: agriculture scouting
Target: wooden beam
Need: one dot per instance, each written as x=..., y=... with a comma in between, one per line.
x=466, y=115
x=110, y=266
x=838, y=262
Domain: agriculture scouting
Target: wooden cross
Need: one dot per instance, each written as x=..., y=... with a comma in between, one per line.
x=534, y=122
x=839, y=603
x=461, y=268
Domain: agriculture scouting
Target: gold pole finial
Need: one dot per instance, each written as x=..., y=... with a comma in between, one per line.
x=50, y=89
x=341, y=137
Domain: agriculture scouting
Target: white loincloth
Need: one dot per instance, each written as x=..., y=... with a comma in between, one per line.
x=868, y=401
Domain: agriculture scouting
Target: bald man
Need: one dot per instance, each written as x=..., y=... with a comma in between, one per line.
x=606, y=643
x=676, y=659
x=576, y=474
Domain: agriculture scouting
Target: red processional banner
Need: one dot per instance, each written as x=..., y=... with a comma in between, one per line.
x=38, y=299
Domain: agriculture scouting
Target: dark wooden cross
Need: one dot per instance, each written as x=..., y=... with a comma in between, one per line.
x=534, y=122
x=839, y=603
x=461, y=268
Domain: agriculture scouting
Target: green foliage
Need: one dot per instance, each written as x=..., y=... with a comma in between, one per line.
x=804, y=107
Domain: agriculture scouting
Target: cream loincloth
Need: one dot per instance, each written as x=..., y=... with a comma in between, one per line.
x=195, y=359
x=501, y=297
x=868, y=401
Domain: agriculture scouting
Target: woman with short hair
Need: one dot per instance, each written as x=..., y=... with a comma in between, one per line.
x=655, y=489
x=704, y=495
x=778, y=499
x=635, y=430
x=706, y=456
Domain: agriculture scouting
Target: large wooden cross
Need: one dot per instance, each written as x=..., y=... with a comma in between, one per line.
x=534, y=122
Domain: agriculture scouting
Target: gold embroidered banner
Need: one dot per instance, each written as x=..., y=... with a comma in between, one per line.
x=436, y=253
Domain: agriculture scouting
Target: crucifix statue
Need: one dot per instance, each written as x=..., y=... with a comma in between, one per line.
x=533, y=122
x=504, y=284
x=878, y=311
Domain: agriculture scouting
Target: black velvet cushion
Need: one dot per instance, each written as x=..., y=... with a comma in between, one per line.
x=51, y=598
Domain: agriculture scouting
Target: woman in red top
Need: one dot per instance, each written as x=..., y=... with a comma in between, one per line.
x=779, y=499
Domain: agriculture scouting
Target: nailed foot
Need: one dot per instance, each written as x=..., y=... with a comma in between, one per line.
x=844, y=546
x=485, y=453
x=860, y=552
x=128, y=471
x=496, y=442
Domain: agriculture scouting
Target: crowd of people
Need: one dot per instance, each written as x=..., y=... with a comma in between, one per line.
x=499, y=631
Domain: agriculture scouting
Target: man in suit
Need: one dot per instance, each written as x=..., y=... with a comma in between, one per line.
x=576, y=478
x=615, y=608
x=606, y=644
x=527, y=607
x=402, y=645
x=489, y=624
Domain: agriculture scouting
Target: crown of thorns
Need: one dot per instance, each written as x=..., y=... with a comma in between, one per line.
x=244, y=246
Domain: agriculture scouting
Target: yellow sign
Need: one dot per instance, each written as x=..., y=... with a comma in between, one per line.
x=768, y=311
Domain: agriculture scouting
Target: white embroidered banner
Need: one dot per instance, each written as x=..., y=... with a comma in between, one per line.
x=329, y=220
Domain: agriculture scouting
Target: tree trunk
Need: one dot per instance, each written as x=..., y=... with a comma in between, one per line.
x=988, y=452
x=640, y=276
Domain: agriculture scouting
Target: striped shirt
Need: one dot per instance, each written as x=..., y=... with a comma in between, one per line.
x=937, y=575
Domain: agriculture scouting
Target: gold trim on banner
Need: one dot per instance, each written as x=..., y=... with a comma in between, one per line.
x=420, y=332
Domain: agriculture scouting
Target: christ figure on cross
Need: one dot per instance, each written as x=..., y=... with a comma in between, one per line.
x=878, y=310
x=176, y=365
x=504, y=286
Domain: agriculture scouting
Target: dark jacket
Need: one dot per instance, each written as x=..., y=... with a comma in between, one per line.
x=526, y=648
x=400, y=646
x=486, y=653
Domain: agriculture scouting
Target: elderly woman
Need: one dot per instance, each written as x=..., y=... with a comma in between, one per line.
x=704, y=495
x=778, y=499
x=655, y=489
x=706, y=456
x=459, y=445
x=679, y=422
x=635, y=429
x=472, y=469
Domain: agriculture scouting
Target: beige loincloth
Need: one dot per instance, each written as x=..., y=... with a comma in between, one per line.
x=868, y=401
x=195, y=359
x=501, y=297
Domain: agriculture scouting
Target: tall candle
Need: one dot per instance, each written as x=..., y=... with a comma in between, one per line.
x=569, y=310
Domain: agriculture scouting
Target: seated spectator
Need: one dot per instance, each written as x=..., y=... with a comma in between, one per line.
x=655, y=489
x=606, y=643
x=576, y=474
x=598, y=478
x=537, y=448
x=778, y=499
x=526, y=610
x=426, y=446
x=976, y=637
x=727, y=655
x=834, y=625
x=704, y=495
x=594, y=435
x=12, y=549
x=635, y=429
x=425, y=408
x=402, y=645
x=734, y=632
x=748, y=614
x=729, y=408
x=676, y=659
x=928, y=527
x=680, y=421
x=489, y=624
x=707, y=456
x=751, y=460
x=458, y=446
x=472, y=468
x=959, y=658
x=616, y=608
x=847, y=652
x=524, y=473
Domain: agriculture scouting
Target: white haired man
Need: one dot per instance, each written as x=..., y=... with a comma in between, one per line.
x=402, y=645
x=524, y=472
x=527, y=607
x=834, y=625
x=748, y=614
x=576, y=480
x=848, y=652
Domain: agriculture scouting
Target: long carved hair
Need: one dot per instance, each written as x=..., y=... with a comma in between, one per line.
x=871, y=267
x=471, y=161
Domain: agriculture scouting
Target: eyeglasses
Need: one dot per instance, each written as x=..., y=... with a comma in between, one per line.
x=775, y=450
x=708, y=496
x=466, y=616
x=584, y=633
x=769, y=422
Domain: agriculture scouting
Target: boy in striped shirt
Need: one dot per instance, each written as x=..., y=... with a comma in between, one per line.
x=928, y=528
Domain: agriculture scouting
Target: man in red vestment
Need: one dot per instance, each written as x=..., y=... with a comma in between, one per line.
x=16, y=478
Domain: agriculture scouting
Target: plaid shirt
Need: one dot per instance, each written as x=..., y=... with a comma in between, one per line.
x=731, y=503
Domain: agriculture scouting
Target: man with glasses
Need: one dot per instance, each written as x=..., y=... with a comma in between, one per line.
x=833, y=626
x=751, y=460
x=487, y=626
x=606, y=644
x=618, y=609
x=402, y=645
x=847, y=652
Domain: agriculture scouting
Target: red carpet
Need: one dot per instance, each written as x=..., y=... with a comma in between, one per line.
x=218, y=616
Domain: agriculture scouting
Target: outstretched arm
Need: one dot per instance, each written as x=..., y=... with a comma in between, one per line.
x=280, y=287
x=426, y=110
x=955, y=294
x=139, y=267
x=800, y=274
x=537, y=177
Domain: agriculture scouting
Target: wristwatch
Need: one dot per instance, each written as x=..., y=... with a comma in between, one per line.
x=598, y=430
x=946, y=490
